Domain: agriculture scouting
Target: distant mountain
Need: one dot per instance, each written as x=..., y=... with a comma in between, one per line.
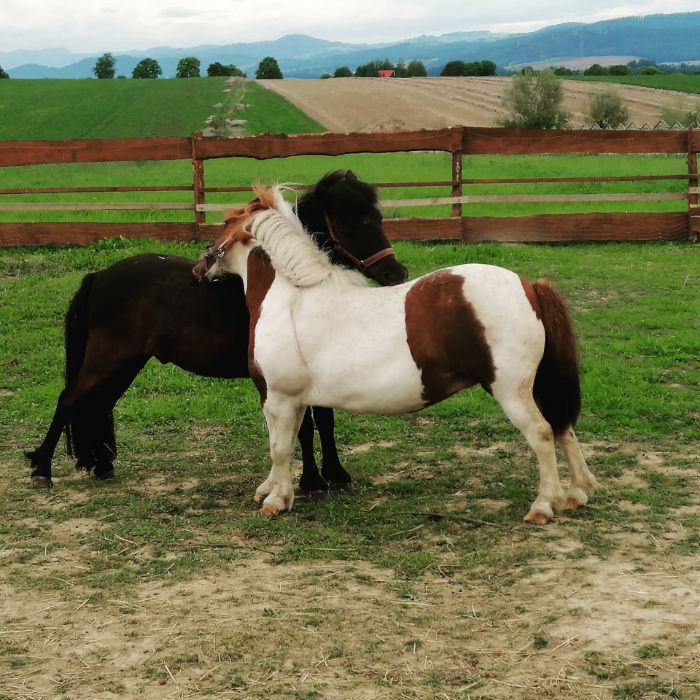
x=662, y=38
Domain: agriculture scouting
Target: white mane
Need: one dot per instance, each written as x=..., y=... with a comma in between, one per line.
x=292, y=251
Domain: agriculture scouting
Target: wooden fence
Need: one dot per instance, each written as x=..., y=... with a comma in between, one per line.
x=458, y=141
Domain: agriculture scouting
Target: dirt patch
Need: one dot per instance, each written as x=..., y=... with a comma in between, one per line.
x=377, y=104
x=221, y=633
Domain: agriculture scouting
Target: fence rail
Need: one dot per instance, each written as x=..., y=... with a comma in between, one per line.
x=457, y=141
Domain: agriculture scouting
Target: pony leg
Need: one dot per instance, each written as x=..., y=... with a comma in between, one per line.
x=331, y=470
x=582, y=480
x=283, y=421
x=310, y=479
x=40, y=458
x=523, y=413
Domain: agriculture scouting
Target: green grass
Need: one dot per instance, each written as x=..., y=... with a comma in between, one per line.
x=371, y=167
x=88, y=109
x=636, y=309
x=672, y=81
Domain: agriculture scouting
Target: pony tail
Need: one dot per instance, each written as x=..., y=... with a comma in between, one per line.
x=557, y=389
x=84, y=430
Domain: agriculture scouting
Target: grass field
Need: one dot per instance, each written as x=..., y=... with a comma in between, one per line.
x=421, y=583
x=672, y=81
x=373, y=168
x=88, y=109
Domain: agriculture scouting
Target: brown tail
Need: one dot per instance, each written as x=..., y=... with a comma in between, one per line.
x=557, y=390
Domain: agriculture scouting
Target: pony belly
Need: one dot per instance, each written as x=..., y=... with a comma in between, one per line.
x=390, y=389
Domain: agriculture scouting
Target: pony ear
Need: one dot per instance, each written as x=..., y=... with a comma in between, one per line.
x=350, y=176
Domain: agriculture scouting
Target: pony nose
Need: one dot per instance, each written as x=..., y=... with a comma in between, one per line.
x=200, y=270
x=391, y=273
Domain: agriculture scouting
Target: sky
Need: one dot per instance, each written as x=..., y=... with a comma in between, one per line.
x=93, y=26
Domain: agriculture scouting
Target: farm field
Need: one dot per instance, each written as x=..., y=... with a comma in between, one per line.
x=376, y=104
x=421, y=583
x=82, y=109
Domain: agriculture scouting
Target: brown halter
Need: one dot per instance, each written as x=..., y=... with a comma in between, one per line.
x=362, y=264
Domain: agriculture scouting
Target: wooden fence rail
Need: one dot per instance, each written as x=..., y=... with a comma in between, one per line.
x=457, y=141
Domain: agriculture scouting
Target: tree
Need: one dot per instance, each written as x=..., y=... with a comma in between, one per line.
x=342, y=72
x=606, y=110
x=618, y=70
x=147, y=68
x=562, y=70
x=535, y=102
x=104, y=67
x=188, y=67
x=416, y=69
x=4, y=75
x=268, y=69
x=219, y=69
x=454, y=68
x=371, y=69
x=595, y=69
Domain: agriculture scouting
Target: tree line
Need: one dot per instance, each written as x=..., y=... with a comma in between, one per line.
x=187, y=67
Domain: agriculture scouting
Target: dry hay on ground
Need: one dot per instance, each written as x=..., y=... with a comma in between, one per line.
x=378, y=104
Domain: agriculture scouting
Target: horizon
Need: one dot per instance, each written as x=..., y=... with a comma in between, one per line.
x=97, y=28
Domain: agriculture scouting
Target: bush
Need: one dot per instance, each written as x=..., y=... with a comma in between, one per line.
x=562, y=70
x=4, y=75
x=534, y=101
x=686, y=117
x=104, y=67
x=342, y=72
x=188, y=67
x=606, y=110
x=147, y=69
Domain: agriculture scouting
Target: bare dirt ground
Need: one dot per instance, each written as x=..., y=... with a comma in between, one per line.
x=376, y=104
x=623, y=625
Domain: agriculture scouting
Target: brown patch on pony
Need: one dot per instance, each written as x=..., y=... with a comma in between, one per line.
x=261, y=275
x=557, y=390
x=531, y=296
x=446, y=339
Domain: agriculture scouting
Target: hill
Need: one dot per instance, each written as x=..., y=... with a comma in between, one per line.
x=661, y=37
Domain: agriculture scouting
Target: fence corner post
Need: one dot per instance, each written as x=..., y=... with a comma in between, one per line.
x=200, y=216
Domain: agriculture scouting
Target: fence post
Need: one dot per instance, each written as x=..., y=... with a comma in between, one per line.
x=457, y=170
x=692, y=183
x=200, y=217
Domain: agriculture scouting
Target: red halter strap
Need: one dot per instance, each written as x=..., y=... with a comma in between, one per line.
x=362, y=264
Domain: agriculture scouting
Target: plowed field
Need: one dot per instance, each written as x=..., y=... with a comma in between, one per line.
x=377, y=104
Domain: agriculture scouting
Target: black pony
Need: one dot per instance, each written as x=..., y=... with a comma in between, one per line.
x=150, y=305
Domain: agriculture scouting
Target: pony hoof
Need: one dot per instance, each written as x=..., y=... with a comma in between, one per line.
x=536, y=517
x=341, y=486
x=576, y=498
x=42, y=482
x=103, y=476
x=317, y=485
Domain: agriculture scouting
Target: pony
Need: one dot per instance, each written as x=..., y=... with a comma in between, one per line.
x=320, y=336
x=151, y=306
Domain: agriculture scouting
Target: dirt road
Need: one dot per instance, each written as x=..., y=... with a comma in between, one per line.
x=377, y=104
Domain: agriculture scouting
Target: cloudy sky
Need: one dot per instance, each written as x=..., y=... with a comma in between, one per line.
x=85, y=26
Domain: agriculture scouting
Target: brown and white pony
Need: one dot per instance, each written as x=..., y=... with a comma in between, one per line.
x=320, y=336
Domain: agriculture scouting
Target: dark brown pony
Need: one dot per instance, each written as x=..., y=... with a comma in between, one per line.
x=151, y=306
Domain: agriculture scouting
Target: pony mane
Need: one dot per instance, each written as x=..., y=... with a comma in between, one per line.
x=291, y=248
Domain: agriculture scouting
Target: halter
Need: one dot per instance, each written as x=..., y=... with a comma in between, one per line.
x=362, y=264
